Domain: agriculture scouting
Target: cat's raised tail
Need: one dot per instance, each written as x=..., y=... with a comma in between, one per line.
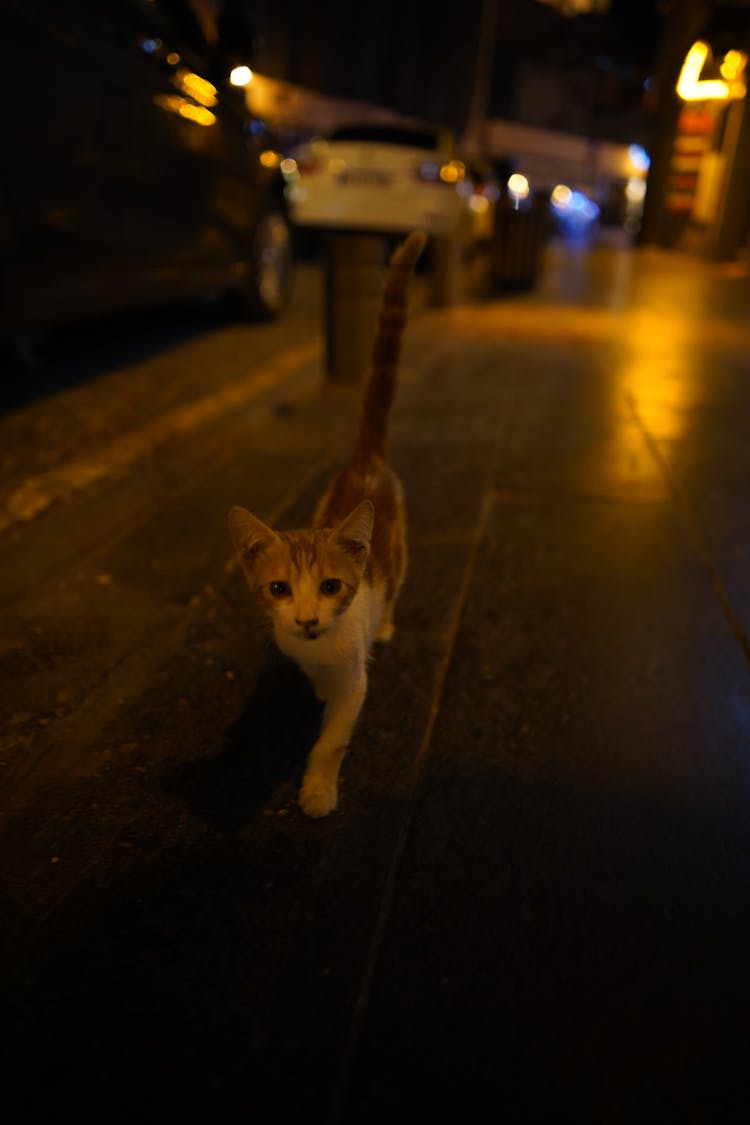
x=379, y=392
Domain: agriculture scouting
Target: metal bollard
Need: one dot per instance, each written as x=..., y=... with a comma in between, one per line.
x=354, y=277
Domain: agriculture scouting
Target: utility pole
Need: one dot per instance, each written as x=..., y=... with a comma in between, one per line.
x=473, y=141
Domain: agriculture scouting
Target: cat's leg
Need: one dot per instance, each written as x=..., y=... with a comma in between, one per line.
x=319, y=791
x=386, y=628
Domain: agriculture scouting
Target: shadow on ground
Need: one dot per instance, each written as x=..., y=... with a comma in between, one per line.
x=263, y=756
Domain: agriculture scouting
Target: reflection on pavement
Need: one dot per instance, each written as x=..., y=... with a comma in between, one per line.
x=656, y=326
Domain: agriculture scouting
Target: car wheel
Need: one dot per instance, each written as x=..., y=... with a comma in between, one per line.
x=271, y=266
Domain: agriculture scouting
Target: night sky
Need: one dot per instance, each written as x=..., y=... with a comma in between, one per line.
x=419, y=56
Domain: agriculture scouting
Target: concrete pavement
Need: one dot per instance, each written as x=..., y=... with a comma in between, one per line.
x=532, y=900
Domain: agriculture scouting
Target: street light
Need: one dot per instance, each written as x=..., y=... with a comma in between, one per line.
x=240, y=76
x=518, y=188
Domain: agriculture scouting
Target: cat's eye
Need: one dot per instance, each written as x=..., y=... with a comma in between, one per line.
x=330, y=586
x=279, y=589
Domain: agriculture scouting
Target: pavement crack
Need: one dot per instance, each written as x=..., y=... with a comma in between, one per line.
x=342, y=1082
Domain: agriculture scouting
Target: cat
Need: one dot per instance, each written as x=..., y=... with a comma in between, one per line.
x=330, y=591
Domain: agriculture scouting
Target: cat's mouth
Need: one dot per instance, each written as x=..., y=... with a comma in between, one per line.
x=310, y=634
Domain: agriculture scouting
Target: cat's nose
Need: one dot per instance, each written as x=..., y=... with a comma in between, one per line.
x=309, y=624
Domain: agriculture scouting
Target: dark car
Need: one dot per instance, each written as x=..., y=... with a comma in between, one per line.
x=131, y=170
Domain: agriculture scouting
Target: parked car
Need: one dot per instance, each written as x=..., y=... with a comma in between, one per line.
x=389, y=178
x=131, y=172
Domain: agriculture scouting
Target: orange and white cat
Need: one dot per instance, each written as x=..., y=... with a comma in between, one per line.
x=330, y=591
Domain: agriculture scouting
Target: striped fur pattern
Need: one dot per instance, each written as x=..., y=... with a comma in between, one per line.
x=330, y=591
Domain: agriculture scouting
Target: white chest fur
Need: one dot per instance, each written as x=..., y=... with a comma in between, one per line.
x=339, y=655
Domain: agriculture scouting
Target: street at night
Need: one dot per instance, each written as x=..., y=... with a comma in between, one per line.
x=532, y=897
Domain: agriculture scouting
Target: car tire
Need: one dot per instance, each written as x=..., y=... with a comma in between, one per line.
x=270, y=278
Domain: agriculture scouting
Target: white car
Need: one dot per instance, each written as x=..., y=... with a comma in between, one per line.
x=379, y=178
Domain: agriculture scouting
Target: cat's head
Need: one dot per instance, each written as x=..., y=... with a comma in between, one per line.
x=305, y=580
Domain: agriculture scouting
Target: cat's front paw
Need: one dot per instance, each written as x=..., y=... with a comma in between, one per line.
x=317, y=797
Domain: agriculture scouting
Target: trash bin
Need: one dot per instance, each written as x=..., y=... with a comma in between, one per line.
x=354, y=278
x=518, y=238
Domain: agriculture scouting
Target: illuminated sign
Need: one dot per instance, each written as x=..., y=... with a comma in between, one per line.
x=692, y=87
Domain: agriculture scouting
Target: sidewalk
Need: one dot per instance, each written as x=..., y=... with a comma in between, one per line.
x=533, y=898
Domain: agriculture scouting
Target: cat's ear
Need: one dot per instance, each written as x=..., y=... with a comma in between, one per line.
x=249, y=534
x=355, y=533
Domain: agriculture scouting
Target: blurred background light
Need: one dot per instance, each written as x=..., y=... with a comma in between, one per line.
x=690, y=86
x=639, y=158
x=240, y=76
x=200, y=89
x=732, y=65
x=197, y=113
x=518, y=186
x=635, y=190
x=560, y=197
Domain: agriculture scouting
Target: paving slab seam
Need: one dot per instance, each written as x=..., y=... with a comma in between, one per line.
x=336, y=1114
x=699, y=543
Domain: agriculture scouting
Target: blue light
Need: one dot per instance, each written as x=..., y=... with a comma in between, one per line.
x=639, y=158
x=583, y=206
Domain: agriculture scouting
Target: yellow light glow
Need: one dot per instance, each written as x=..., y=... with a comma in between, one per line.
x=173, y=58
x=690, y=87
x=181, y=106
x=269, y=158
x=288, y=166
x=657, y=384
x=172, y=102
x=518, y=185
x=197, y=113
x=452, y=172
x=561, y=196
x=732, y=65
x=635, y=190
x=240, y=76
x=198, y=88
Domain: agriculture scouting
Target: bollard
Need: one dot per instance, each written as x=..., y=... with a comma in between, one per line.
x=354, y=273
